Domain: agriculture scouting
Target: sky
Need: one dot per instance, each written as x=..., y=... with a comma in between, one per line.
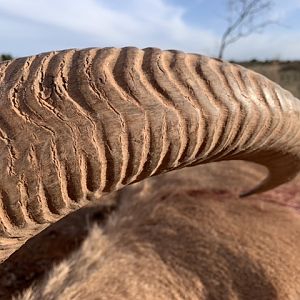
x=30, y=27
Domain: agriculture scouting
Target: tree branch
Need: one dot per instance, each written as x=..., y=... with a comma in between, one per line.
x=244, y=13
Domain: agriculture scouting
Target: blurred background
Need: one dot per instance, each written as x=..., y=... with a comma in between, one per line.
x=246, y=31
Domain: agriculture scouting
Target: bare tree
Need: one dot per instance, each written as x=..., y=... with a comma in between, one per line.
x=244, y=18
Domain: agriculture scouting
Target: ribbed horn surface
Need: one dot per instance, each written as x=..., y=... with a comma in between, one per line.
x=77, y=124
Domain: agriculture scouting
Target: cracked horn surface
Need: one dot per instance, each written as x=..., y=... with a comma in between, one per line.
x=76, y=124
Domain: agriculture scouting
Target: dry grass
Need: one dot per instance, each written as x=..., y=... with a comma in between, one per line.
x=286, y=74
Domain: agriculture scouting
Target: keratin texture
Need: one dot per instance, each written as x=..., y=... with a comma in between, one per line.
x=77, y=124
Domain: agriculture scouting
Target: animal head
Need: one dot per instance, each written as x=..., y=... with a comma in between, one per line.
x=78, y=124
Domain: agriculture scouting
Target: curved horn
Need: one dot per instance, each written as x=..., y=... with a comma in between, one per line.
x=77, y=124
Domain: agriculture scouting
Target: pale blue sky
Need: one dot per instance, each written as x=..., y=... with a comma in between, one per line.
x=33, y=26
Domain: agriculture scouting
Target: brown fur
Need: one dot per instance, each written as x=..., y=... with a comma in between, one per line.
x=175, y=238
